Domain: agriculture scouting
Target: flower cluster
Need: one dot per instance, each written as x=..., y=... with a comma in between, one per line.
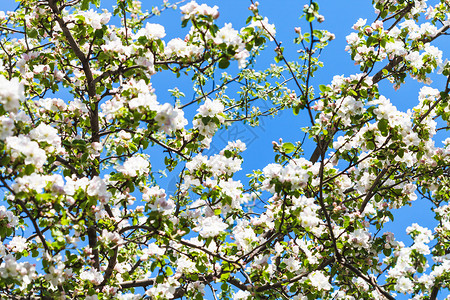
x=86, y=213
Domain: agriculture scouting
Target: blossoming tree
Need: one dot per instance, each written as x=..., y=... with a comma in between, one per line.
x=84, y=215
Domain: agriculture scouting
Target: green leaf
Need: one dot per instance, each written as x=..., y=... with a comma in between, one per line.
x=383, y=127
x=33, y=33
x=353, y=93
x=160, y=279
x=259, y=41
x=227, y=153
x=390, y=215
x=142, y=40
x=34, y=253
x=84, y=157
x=224, y=63
x=85, y=5
x=29, y=169
x=363, y=93
x=346, y=221
x=160, y=45
x=224, y=276
x=288, y=147
x=309, y=17
x=98, y=33
x=3, y=232
x=201, y=267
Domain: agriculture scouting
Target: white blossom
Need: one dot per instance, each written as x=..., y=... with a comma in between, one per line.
x=319, y=280
x=134, y=166
x=151, y=31
x=11, y=93
x=210, y=226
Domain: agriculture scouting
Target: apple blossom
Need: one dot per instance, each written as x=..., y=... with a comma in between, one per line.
x=86, y=214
